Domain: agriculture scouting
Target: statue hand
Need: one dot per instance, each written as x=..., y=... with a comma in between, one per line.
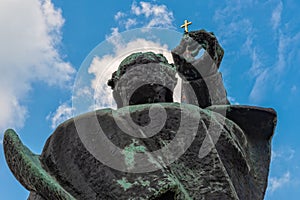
x=189, y=63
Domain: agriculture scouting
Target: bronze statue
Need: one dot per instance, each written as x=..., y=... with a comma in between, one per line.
x=205, y=149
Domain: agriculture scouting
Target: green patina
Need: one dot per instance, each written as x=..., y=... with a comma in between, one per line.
x=144, y=183
x=179, y=176
x=180, y=186
x=150, y=56
x=130, y=151
x=124, y=183
x=29, y=170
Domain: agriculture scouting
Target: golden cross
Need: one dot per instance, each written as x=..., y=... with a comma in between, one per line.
x=185, y=25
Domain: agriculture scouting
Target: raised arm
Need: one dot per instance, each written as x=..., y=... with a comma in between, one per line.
x=202, y=83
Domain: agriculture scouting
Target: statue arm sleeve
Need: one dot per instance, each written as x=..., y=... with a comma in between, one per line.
x=202, y=83
x=205, y=91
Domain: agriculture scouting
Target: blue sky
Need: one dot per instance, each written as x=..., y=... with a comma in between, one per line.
x=43, y=44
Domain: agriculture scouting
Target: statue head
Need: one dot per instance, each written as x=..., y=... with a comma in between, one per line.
x=143, y=78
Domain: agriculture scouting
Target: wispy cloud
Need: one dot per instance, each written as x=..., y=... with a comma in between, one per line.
x=282, y=157
x=130, y=22
x=277, y=182
x=62, y=113
x=285, y=154
x=155, y=13
x=229, y=18
x=30, y=35
x=287, y=51
x=274, y=78
x=143, y=15
x=269, y=68
x=146, y=14
x=259, y=88
x=119, y=15
x=276, y=15
x=239, y=29
x=242, y=30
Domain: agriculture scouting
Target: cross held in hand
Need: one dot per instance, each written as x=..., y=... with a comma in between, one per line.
x=185, y=25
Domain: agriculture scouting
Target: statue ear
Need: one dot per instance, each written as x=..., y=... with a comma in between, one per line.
x=111, y=82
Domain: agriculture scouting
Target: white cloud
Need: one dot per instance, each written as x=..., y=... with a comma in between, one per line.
x=268, y=77
x=103, y=67
x=257, y=67
x=30, y=35
x=130, y=22
x=276, y=183
x=84, y=92
x=243, y=29
x=287, y=51
x=258, y=91
x=285, y=154
x=145, y=14
x=258, y=70
x=274, y=78
x=135, y=9
x=229, y=18
x=155, y=13
x=62, y=113
x=12, y=113
x=119, y=15
x=276, y=15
